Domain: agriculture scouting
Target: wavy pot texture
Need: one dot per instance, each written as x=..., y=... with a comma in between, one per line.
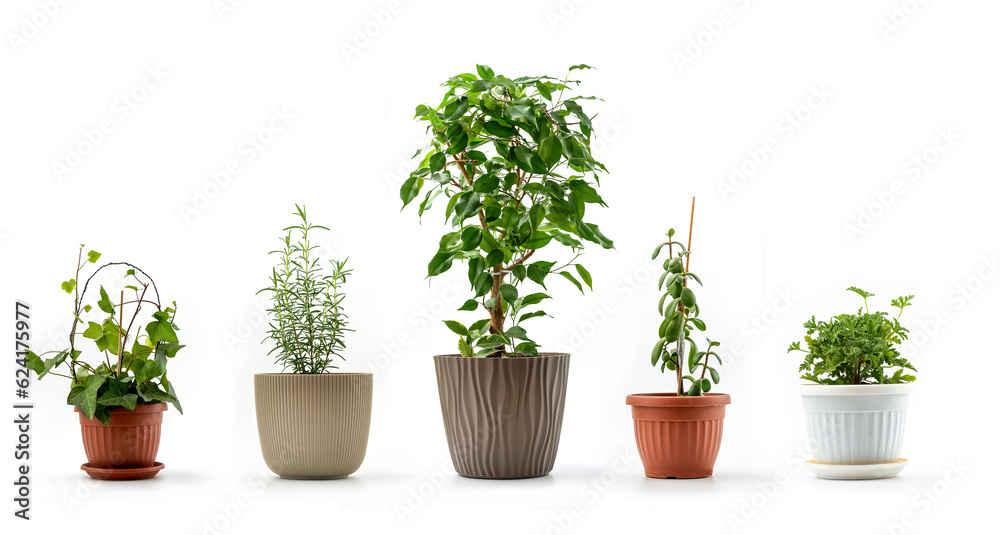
x=678, y=437
x=503, y=416
x=130, y=441
x=313, y=426
x=855, y=424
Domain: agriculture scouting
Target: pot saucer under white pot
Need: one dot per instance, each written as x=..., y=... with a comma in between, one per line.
x=858, y=471
x=856, y=431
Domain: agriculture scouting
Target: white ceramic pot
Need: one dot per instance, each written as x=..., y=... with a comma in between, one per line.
x=855, y=424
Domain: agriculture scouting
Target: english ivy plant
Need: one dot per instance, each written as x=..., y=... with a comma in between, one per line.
x=308, y=322
x=512, y=157
x=128, y=375
x=680, y=318
x=854, y=349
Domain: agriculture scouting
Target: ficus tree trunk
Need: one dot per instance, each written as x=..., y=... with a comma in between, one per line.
x=496, y=313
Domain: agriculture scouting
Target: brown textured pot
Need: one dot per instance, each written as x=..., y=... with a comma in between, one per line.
x=502, y=416
x=130, y=441
x=678, y=437
x=313, y=426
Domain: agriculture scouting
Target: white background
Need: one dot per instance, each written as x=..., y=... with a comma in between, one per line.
x=676, y=118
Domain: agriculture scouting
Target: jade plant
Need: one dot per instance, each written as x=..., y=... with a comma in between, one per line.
x=855, y=349
x=129, y=366
x=513, y=159
x=308, y=322
x=675, y=350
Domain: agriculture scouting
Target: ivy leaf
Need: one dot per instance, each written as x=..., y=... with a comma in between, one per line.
x=117, y=395
x=165, y=350
x=170, y=392
x=105, y=302
x=151, y=393
x=92, y=256
x=160, y=329
x=93, y=331
x=84, y=397
x=68, y=286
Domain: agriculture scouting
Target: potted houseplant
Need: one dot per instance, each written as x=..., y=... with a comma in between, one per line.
x=312, y=423
x=678, y=433
x=856, y=403
x=121, y=391
x=512, y=159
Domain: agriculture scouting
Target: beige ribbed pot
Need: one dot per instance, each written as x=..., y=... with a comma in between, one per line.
x=313, y=426
x=502, y=416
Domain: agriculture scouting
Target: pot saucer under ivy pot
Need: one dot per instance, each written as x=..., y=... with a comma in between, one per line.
x=502, y=416
x=856, y=431
x=512, y=168
x=120, y=399
x=679, y=434
x=856, y=410
x=313, y=424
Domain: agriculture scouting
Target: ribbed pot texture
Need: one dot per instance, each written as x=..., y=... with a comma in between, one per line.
x=313, y=426
x=503, y=416
x=130, y=441
x=678, y=437
x=859, y=424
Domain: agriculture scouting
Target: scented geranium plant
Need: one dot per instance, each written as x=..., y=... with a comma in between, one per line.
x=855, y=349
x=511, y=161
x=127, y=363
x=308, y=322
x=675, y=350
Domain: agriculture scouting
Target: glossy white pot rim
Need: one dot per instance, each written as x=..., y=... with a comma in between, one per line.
x=855, y=390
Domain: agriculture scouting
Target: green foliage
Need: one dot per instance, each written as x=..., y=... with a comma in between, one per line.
x=854, y=349
x=134, y=369
x=308, y=322
x=512, y=157
x=675, y=350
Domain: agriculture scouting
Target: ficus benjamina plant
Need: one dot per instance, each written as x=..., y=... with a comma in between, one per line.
x=512, y=157
x=134, y=366
x=675, y=350
x=854, y=349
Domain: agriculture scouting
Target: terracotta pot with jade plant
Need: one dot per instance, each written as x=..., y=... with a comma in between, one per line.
x=120, y=390
x=510, y=160
x=313, y=423
x=859, y=388
x=679, y=433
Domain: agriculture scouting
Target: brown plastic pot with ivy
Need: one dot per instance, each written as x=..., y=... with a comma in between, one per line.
x=511, y=158
x=121, y=391
x=679, y=433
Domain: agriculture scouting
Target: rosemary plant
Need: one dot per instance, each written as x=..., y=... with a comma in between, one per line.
x=307, y=317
